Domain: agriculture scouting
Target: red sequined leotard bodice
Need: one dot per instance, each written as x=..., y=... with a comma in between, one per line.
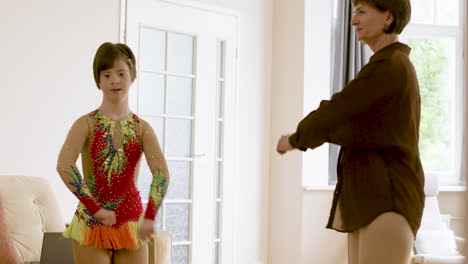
x=110, y=152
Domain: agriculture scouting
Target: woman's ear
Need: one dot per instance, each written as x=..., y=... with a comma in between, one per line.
x=389, y=18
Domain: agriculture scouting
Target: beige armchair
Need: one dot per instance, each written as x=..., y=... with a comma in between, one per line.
x=7, y=251
x=30, y=209
x=435, y=241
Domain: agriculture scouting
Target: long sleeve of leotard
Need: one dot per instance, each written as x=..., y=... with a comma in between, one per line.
x=157, y=164
x=67, y=169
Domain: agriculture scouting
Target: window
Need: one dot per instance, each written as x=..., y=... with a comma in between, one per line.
x=435, y=34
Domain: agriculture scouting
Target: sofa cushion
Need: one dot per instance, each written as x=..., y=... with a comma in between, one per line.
x=30, y=209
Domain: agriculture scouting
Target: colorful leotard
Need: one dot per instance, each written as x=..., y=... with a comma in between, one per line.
x=110, y=152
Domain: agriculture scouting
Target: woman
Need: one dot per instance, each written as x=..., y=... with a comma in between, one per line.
x=109, y=225
x=379, y=197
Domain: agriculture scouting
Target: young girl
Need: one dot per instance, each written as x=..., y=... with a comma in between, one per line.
x=109, y=225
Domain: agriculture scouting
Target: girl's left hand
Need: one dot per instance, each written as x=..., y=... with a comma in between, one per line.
x=146, y=229
x=283, y=145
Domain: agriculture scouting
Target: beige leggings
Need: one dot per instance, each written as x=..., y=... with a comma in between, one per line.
x=386, y=240
x=91, y=255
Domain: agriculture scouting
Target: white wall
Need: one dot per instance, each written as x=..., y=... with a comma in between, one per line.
x=47, y=49
x=319, y=244
x=286, y=111
x=452, y=203
x=301, y=59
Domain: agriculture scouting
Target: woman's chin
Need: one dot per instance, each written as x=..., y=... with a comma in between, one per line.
x=362, y=40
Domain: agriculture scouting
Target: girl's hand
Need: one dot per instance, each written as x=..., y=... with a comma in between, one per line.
x=146, y=229
x=283, y=145
x=106, y=217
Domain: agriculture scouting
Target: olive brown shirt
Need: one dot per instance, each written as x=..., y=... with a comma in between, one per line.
x=375, y=119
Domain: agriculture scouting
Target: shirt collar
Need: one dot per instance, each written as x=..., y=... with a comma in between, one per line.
x=396, y=46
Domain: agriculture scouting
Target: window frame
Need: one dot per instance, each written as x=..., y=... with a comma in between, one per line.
x=315, y=171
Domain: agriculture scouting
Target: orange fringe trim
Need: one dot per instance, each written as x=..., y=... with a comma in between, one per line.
x=123, y=237
x=107, y=237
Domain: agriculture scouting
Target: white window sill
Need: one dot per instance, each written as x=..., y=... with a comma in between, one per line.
x=332, y=188
x=452, y=188
x=319, y=188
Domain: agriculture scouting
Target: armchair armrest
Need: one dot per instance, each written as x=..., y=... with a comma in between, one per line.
x=461, y=245
x=160, y=248
x=428, y=259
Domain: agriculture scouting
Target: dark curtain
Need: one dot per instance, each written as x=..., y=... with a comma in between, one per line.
x=464, y=159
x=348, y=57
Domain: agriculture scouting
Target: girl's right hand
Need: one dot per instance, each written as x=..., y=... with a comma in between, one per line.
x=106, y=217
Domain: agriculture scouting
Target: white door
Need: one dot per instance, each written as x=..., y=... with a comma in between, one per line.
x=185, y=88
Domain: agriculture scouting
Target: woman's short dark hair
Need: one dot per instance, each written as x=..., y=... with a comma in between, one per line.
x=107, y=54
x=400, y=9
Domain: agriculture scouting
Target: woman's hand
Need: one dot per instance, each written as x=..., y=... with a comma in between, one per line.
x=146, y=229
x=283, y=145
x=106, y=217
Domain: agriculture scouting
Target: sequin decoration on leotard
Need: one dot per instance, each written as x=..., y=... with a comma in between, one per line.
x=114, y=159
x=158, y=189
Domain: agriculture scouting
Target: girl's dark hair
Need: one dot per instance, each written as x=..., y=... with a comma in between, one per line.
x=107, y=54
x=400, y=9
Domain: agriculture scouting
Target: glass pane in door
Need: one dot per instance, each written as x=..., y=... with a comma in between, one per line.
x=165, y=100
x=179, y=95
x=179, y=137
x=180, y=53
x=177, y=221
x=157, y=123
x=151, y=93
x=180, y=255
x=179, y=188
x=153, y=47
